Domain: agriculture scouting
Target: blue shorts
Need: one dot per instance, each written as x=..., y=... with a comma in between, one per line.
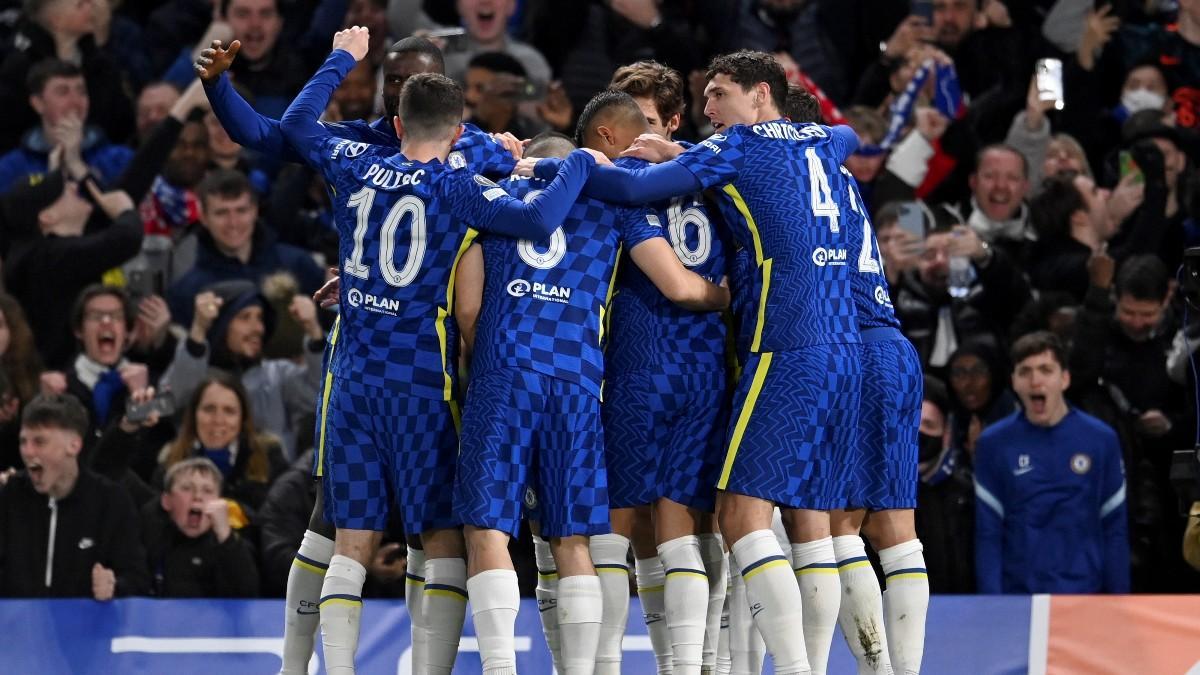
x=794, y=421
x=384, y=449
x=524, y=431
x=664, y=437
x=885, y=464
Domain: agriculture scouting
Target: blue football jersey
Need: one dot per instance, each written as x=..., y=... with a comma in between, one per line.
x=648, y=331
x=872, y=302
x=784, y=199
x=741, y=302
x=544, y=303
x=475, y=148
x=403, y=226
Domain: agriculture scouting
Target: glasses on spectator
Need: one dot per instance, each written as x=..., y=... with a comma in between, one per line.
x=97, y=316
x=963, y=372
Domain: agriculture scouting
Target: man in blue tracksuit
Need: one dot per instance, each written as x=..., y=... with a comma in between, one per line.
x=1050, y=489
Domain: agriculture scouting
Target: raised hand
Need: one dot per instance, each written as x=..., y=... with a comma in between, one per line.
x=354, y=40
x=113, y=203
x=215, y=60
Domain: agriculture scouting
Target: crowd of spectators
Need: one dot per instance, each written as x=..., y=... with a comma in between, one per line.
x=160, y=353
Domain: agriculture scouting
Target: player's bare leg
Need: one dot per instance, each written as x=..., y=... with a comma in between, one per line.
x=580, y=606
x=495, y=598
x=610, y=555
x=716, y=567
x=676, y=529
x=893, y=534
x=341, y=597
x=816, y=572
x=861, y=613
x=305, y=578
x=443, y=598
x=771, y=589
x=547, y=593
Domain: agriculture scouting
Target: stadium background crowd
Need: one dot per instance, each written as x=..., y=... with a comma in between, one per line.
x=144, y=251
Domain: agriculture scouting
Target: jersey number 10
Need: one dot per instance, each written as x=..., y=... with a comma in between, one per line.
x=407, y=205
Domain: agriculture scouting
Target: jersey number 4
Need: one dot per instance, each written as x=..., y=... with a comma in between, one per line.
x=408, y=205
x=823, y=204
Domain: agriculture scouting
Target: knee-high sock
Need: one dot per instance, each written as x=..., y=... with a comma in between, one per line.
x=724, y=664
x=821, y=590
x=547, y=598
x=341, y=613
x=414, y=601
x=746, y=649
x=712, y=552
x=444, y=606
x=687, y=602
x=774, y=598
x=302, y=608
x=580, y=611
x=651, y=585
x=495, y=598
x=861, y=613
x=610, y=556
x=905, y=604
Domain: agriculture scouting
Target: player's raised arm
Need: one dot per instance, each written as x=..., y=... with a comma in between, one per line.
x=299, y=123
x=245, y=125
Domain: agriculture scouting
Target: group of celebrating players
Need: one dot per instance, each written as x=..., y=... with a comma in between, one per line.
x=603, y=270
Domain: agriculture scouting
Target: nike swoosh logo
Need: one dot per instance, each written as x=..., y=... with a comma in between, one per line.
x=1022, y=472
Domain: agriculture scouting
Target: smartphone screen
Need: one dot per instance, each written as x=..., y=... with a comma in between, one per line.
x=1129, y=167
x=923, y=9
x=912, y=219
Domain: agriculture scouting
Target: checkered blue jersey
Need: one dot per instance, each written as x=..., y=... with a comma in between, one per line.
x=741, y=302
x=403, y=225
x=260, y=133
x=872, y=302
x=785, y=199
x=648, y=331
x=544, y=302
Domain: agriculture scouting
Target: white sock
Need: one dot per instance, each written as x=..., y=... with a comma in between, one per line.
x=861, y=613
x=547, y=598
x=906, y=603
x=610, y=556
x=414, y=601
x=712, y=552
x=821, y=590
x=580, y=611
x=651, y=587
x=774, y=599
x=341, y=612
x=746, y=649
x=687, y=602
x=444, y=605
x=724, y=664
x=302, y=608
x=495, y=598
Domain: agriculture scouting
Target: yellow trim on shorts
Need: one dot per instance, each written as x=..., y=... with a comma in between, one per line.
x=765, y=566
x=444, y=313
x=326, y=389
x=739, y=429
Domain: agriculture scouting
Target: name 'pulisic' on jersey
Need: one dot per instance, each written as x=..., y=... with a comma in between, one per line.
x=784, y=198
x=647, y=329
x=544, y=303
x=403, y=226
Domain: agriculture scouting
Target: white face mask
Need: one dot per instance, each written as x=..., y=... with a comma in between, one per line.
x=1136, y=100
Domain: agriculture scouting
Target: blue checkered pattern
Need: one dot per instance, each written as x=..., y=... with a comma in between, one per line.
x=550, y=319
x=648, y=331
x=385, y=449
x=400, y=334
x=663, y=437
x=872, y=301
x=801, y=262
x=793, y=425
x=522, y=430
x=884, y=466
x=482, y=153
